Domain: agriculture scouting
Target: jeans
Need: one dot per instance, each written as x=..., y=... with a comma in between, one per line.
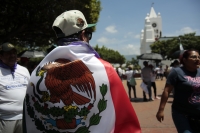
x=153, y=84
x=181, y=122
x=129, y=90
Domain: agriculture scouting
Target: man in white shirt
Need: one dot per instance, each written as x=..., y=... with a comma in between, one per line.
x=13, y=84
x=119, y=72
x=130, y=73
x=157, y=69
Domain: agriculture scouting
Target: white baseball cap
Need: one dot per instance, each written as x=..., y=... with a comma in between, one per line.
x=70, y=22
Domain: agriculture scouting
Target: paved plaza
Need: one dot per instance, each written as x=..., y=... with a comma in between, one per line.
x=146, y=111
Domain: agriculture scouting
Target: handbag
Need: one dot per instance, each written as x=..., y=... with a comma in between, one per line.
x=132, y=81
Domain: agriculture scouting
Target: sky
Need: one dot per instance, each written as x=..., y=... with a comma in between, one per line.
x=121, y=21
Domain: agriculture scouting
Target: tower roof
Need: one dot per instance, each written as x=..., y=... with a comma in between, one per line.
x=152, y=13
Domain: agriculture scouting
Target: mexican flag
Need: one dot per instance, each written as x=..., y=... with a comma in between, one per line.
x=74, y=91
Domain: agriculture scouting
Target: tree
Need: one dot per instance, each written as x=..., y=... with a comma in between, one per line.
x=167, y=48
x=28, y=23
x=133, y=62
x=110, y=55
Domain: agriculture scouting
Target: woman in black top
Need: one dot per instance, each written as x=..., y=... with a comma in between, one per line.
x=186, y=104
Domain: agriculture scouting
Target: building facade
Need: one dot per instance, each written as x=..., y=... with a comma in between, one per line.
x=152, y=31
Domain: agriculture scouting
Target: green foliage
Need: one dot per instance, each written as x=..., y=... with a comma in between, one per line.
x=31, y=63
x=167, y=48
x=103, y=89
x=110, y=55
x=28, y=23
x=95, y=119
x=134, y=62
x=83, y=129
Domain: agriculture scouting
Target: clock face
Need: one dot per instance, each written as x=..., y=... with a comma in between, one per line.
x=154, y=25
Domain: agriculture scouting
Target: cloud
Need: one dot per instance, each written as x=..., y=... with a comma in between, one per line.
x=137, y=36
x=132, y=35
x=182, y=31
x=111, y=29
x=104, y=40
x=124, y=46
x=130, y=49
x=186, y=30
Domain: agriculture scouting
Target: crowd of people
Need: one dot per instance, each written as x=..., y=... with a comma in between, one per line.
x=148, y=74
x=72, y=88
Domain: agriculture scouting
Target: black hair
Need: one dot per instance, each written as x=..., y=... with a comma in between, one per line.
x=186, y=54
x=129, y=68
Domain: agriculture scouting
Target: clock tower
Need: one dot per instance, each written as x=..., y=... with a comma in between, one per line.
x=152, y=31
x=156, y=23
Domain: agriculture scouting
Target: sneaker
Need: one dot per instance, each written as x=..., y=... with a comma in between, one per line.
x=157, y=97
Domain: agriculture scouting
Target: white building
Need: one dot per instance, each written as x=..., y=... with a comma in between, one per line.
x=151, y=32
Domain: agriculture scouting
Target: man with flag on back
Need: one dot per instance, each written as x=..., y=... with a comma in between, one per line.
x=73, y=90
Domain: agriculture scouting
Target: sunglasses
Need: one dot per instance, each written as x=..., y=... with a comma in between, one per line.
x=88, y=34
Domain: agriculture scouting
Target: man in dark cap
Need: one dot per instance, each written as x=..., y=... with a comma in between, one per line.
x=14, y=79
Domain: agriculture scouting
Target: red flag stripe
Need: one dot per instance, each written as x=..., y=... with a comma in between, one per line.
x=126, y=119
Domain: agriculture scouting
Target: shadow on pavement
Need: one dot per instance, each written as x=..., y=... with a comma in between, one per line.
x=138, y=100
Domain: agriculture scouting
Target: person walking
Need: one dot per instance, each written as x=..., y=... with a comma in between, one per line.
x=185, y=82
x=73, y=90
x=153, y=83
x=161, y=72
x=146, y=78
x=157, y=69
x=166, y=71
x=130, y=74
x=14, y=79
x=119, y=72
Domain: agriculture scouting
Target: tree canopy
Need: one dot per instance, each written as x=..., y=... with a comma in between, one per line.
x=110, y=55
x=134, y=62
x=28, y=23
x=168, y=47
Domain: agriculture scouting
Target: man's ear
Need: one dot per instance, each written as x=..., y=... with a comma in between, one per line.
x=82, y=35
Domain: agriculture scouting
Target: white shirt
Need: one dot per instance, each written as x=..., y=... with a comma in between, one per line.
x=157, y=69
x=120, y=71
x=129, y=74
x=12, y=92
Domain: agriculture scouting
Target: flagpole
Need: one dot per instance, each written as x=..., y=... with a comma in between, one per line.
x=180, y=45
x=152, y=4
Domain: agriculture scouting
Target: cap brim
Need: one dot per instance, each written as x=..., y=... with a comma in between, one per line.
x=9, y=49
x=91, y=25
